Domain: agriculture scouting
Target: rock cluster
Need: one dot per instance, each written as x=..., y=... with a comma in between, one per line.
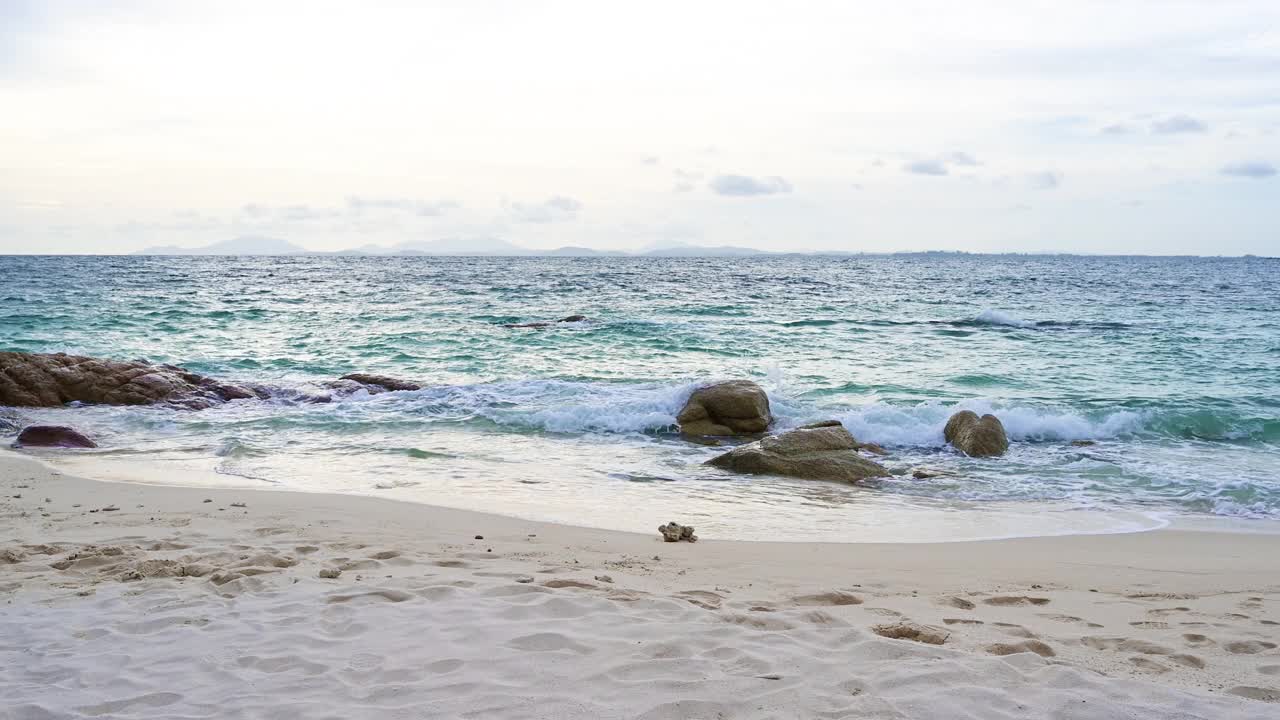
x=51, y=380
x=976, y=436
x=675, y=532
x=737, y=407
x=827, y=452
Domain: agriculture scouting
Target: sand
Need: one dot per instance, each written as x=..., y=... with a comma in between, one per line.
x=198, y=603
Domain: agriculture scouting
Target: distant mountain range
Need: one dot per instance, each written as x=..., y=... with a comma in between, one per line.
x=256, y=245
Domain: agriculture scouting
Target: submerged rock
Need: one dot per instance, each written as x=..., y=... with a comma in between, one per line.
x=545, y=324
x=382, y=382
x=51, y=380
x=824, y=453
x=976, y=436
x=675, y=532
x=736, y=407
x=53, y=436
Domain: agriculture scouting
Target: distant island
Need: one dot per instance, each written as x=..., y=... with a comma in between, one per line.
x=257, y=245
x=253, y=245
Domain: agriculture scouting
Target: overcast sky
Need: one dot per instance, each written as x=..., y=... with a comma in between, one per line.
x=1146, y=127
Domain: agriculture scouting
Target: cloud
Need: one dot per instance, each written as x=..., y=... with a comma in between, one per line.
x=557, y=208
x=1117, y=129
x=1252, y=169
x=942, y=164
x=287, y=213
x=744, y=186
x=1178, y=124
x=421, y=208
x=926, y=167
x=1047, y=180
x=961, y=158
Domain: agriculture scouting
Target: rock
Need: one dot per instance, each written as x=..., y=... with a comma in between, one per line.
x=737, y=407
x=1082, y=443
x=53, y=436
x=330, y=573
x=872, y=448
x=604, y=578
x=524, y=579
x=821, y=424
x=926, y=473
x=675, y=532
x=544, y=324
x=976, y=436
x=51, y=380
x=380, y=381
x=825, y=453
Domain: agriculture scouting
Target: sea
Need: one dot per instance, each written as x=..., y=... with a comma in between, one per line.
x=1169, y=366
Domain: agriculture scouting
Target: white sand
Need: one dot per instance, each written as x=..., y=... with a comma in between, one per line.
x=425, y=621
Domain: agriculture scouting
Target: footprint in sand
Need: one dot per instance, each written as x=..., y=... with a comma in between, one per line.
x=1060, y=618
x=1248, y=647
x=1149, y=665
x=835, y=597
x=912, y=631
x=1031, y=646
x=1150, y=625
x=566, y=583
x=548, y=642
x=1143, y=647
x=1269, y=669
x=884, y=611
x=1160, y=596
x=702, y=598
x=962, y=621
x=957, y=602
x=1008, y=600
x=1256, y=693
x=1164, y=612
x=1014, y=630
x=1198, y=640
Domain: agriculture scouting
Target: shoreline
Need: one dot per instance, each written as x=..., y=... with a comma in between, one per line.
x=1019, y=520
x=1139, y=623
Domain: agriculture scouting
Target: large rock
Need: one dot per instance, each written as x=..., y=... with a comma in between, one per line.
x=737, y=407
x=40, y=380
x=976, y=436
x=823, y=453
x=381, y=382
x=53, y=436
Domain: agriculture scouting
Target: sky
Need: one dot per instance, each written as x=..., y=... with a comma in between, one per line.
x=1089, y=127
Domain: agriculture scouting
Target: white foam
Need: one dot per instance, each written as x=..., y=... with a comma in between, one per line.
x=991, y=316
x=921, y=425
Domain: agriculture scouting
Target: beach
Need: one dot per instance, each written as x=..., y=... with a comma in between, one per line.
x=132, y=600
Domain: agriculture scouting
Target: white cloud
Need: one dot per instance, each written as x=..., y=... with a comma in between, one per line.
x=1253, y=169
x=1176, y=124
x=746, y=186
x=557, y=208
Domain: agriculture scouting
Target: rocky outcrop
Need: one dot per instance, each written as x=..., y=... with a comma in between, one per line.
x=737, y=407
x=381, y=382
x=50, y=380
x=544, y=324
x=53, y=436
x=976, y=436
x=675, y=532
x=823, y=453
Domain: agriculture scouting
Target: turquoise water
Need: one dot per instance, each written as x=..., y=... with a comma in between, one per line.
x=1170, y=364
